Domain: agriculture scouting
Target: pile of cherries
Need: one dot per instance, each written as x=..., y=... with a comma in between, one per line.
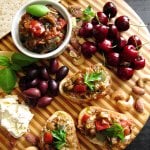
x=120, y=54
x=41, y=82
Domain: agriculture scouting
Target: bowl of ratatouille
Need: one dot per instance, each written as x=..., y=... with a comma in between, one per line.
x=41, y=29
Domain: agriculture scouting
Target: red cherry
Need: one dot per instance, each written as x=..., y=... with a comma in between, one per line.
x=129, y=53
x=113, y=32
x=100, y=32
x=86, y=30
x=102, y=18
x=113, y=59
x=138, y=63
x=135, y=41
x=125, y=73
x=121, y=43
x=110, y=9
x=105, y=46
x=48, y=138
x=88, y=49
x=122, y=23
x=80, y=88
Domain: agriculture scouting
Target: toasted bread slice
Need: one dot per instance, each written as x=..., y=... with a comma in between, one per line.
x=62, y=129
x=108, y=129
x=86, y=85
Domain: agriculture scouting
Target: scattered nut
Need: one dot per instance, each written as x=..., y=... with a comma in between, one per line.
x=139, y=105
x=119, y=95
x=138, y=90
x=141, y=81
x=31, y=148
x=31, y=138
x=125, y=105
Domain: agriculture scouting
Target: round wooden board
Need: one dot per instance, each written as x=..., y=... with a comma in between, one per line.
x=59, y=103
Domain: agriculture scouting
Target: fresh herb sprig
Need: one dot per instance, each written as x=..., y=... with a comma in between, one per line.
x=9, y=68
x=89, y=79
x=115, y=130
x=59, y=138
x=88, y=13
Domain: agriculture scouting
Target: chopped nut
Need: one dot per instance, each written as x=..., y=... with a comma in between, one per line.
x=139, y=105
x=75, y=11
x=138, y=90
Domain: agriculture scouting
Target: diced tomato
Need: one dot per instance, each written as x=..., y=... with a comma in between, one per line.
x=124, y=123
x=80, y=88
x=85, y=118
x=36, y=27
x=100, y=126
x=62, y=22
x=48, y=138
x=127, y=131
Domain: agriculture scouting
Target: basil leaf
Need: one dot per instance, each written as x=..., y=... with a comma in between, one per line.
x=88, y=14
x=15, y=67
x=37, y=10
x=59, y=136
x=115, y=130
x=89, y=79
x=4, y=61
x=7, y=79
x=22, y=60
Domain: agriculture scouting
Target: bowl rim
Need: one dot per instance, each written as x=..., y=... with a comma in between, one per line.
x=15, y=29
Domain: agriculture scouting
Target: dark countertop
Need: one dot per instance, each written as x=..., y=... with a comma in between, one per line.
x=142, y=141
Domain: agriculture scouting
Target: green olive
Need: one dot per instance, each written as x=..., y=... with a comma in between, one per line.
x=37, y=10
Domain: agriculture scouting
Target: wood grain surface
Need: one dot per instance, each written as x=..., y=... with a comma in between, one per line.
x=59, y=103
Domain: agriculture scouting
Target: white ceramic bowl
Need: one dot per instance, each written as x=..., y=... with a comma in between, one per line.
x=15, y=29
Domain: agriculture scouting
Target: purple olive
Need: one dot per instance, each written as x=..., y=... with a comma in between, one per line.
x=53, y=87
x=32, y=73
x=44, y=73
x=32, y=93
x=61, y=73
x=32, y=102
x=44, y=101
x=33, y=83
x=43, y=86
x=53, y=65
x=23, y=83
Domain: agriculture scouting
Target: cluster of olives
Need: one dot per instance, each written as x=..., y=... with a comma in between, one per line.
x=37, y=86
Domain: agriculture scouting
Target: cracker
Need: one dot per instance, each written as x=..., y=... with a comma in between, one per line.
x=8, y=8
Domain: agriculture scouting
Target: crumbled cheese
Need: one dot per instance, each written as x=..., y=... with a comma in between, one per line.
x=13, y=116
x=74, y=21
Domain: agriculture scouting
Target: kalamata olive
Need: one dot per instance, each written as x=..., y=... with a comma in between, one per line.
x=32, y=93
x=23, y=83
x=33, y=73
x=33, y=83
x=43, y=86
x=61, y=73
x=53, y=87
x=44, y=101
x=44, y=73
x=30, y=101
x=53, y=65
x=32, y=66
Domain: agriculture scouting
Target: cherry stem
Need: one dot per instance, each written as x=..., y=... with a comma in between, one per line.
x=139, y=25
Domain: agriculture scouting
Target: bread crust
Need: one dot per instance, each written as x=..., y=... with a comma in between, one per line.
x=71, y=137
x=115, y=115
x=96, y=95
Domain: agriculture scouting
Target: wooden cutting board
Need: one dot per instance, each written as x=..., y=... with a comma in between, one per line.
x=59, y=103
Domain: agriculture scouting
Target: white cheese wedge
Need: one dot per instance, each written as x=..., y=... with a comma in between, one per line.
x=14, y=117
